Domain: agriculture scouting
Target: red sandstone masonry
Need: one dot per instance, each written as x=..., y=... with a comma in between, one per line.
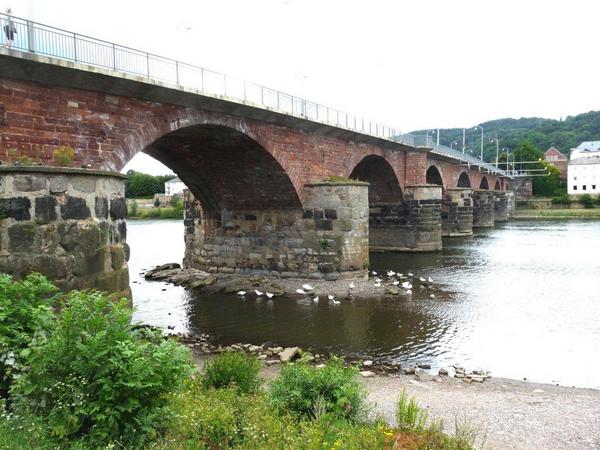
x=107, y=131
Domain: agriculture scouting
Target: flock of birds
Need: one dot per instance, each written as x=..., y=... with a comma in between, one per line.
x=394, y=278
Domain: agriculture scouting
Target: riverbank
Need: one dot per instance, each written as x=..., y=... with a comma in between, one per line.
x=503, y=413
x=556, y=214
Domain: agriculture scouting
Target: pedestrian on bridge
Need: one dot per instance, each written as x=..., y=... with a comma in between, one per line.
x=9, y=29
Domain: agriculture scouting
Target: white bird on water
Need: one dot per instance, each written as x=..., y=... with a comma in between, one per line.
x=377, y=285
x=241, y=293
x=307, y=287
x=410, y=274
x=330, y=297
x=335, y=302
x=395, y=282
x=257, y=292
x=422, y=280
x=374, y=273
x=409, y=292
x=431, y=296
x=300, y=291
x=270, y=295
x=391, y=273
x=429, y=280
x=352, y=285
x=406, y=285
x=316, y=299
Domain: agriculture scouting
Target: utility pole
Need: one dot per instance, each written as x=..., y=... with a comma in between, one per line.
x=464, y=133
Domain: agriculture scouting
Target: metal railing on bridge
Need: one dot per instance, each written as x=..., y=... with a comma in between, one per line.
x=46, y=40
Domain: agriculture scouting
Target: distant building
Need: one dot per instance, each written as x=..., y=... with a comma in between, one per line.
x=584, y=169
x=558, y=160
x=174, y=187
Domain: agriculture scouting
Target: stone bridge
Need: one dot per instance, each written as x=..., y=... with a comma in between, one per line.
x=269, y=192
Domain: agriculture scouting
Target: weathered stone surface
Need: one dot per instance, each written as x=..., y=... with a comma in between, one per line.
x=367, y=374
x=101, y=207
x=118, y=208
x=45, y=209
x=74, y=208
x=21, y=236
x=15, y=207
x=72, y=248
x=28, y=183
x=122, y=227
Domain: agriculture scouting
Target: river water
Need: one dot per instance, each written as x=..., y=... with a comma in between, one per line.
x=521, y=300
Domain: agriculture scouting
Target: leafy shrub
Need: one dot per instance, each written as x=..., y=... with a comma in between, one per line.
x=94, y=377
x=334, y=390
x=223, y=418
x=597, y=201
x=133, y=209
x=562, y=199
x=176, y=202
x=25, y=309
x=409, y=416
x=586, y=200
x=232, y=369
x=63, y=156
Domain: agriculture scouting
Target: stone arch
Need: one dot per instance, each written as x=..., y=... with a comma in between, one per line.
x=383, y=182
x=484, y=183
x=497, y=186
x=464, y=181
x=225, y=169
x=434, y=176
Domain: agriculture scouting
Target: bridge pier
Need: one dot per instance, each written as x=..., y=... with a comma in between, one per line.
x=327, y=239
x=68, y=224
x=483, y=208
x=414, y=225
x=457, y=212
x=501, y=206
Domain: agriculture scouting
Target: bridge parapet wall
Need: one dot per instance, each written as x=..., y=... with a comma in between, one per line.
x=413, y=225
x=457, y=212
x=327, y=239
x=483, y=208
x=68, y=224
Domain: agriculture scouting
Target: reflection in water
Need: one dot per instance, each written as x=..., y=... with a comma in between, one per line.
x=522, y=300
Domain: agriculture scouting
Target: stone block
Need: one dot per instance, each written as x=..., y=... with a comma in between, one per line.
x=118, y=208
x=45, y=209
x=74, y=208
x=101, y=208
x=29, y=183
x=117, y=256
x=21, y=237
x=15, y=207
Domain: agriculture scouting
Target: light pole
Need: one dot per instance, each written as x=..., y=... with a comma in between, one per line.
x=463, y=146
x=481, y=128
x=506, y=150
x=497, y=144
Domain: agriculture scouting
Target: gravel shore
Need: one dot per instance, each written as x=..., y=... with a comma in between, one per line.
x=510, y=414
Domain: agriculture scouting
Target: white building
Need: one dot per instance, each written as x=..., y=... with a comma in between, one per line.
x=584, y=169
x=174, y=187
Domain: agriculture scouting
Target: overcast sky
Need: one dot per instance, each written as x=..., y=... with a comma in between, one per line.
x=409, y=64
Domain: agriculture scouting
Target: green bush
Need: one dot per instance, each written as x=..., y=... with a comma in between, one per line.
x=133, y=209
x=586, y=200
x=562, y=199
x=409, y=416
x=95, y=378
x=25, y=310
x=232, y=369
x=307, y=391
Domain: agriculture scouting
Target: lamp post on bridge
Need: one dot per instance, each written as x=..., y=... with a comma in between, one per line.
x=481, y=128
x=507, y=155
x=497, y=144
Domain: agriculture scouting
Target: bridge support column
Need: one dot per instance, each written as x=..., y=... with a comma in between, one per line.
x=457, y=212
x=501, y=206
x=328, y=239
x=414, y=225
x=483, y=208
x=68, y=224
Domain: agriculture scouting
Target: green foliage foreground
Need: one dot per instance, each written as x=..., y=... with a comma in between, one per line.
x=80, y=377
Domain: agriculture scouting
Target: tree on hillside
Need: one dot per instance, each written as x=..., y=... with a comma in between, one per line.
x=140, y=184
